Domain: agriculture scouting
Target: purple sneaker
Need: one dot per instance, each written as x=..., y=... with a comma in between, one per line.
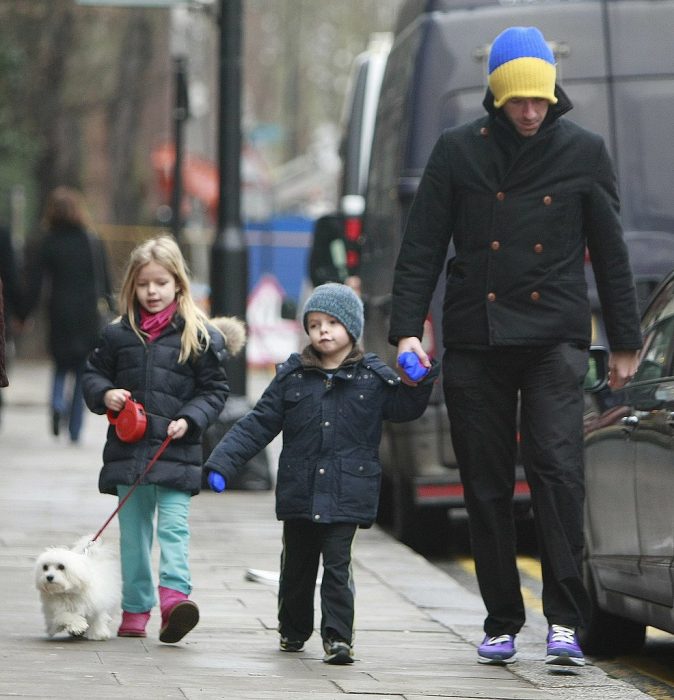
x=497, y=650
x=563, y=649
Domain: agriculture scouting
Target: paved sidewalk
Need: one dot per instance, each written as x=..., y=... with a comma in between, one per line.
x=417, y=628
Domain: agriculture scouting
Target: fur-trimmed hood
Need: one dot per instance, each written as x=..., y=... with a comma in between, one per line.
x=310, y=358
x=233, y=331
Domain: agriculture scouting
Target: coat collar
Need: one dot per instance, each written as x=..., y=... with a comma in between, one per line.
x=311, y=360
x=555, y=111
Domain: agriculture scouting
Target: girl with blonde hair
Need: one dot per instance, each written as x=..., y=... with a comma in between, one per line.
x=164, y=353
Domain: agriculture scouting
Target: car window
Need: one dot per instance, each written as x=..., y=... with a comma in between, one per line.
x=656, y=357
x=661, y=306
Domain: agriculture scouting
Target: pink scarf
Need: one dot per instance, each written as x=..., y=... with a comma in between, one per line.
x=154, y=324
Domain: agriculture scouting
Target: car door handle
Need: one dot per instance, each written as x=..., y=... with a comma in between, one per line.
x=670, y=420
x=630, y=422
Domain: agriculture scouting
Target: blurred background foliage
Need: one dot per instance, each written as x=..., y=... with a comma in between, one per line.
x=86, y=93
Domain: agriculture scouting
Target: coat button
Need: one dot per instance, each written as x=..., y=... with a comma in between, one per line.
x=535, y=296
x=547, y=200
x=500, y=196
x=327, y=423
x=538, y=248
x=495, y=245
x=321, y=471
x=361, y=468
x=491, y=296
x=484, y=131
x=361, y=397
x=348, y=376
x=317, y=516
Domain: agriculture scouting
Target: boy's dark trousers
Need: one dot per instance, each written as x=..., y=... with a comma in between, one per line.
x=303, y=544
x=481, y=393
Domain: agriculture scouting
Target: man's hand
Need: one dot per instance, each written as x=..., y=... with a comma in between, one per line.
x=622, y=366
x=412, y=344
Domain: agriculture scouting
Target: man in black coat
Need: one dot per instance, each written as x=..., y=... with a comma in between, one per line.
x=522, y=193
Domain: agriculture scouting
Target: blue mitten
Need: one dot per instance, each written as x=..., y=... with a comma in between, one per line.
x=216, y=481
x=412, y=366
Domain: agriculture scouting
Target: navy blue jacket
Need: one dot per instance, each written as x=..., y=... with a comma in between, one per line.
x=195, y=390
x=329, y=469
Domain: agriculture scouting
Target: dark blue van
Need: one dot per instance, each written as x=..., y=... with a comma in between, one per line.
x=615, y=61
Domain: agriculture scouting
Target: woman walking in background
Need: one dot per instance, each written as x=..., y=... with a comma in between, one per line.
x=70, y=261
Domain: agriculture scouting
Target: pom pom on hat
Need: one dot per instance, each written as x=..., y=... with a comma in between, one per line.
x=339, y=301
x=521, y=64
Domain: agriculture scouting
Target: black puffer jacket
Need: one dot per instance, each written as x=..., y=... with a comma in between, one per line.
x=329, y=469
x=195, y=390
x=520, y=212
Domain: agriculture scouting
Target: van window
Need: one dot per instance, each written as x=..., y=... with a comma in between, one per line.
x=387, y=158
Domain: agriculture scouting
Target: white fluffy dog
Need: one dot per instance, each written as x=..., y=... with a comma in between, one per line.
x=79, y=588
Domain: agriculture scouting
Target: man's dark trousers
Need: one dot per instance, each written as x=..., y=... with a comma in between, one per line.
x=483, y=390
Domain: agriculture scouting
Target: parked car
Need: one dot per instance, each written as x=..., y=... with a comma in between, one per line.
x=629, y=463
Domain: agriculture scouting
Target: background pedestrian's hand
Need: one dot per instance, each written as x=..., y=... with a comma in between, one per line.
x=412, y=345
x=177, y=428
x=216, y=481
x=115, y=399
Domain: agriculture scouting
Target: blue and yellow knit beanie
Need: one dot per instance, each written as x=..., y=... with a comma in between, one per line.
x=339, y=301
x=521, y=64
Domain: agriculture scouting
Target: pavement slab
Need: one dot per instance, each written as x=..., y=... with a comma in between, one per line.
x=416, y=628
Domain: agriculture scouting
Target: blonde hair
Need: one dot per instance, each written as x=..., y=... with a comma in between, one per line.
x=164, y=251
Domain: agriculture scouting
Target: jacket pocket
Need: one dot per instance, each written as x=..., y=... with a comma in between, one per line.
x=292, y=484
x=360, y=481
x=297, y=404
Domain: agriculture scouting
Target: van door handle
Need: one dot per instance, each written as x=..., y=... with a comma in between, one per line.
x=630, y=422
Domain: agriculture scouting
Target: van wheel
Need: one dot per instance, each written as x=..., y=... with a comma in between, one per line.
x=607, y=634
x=426, y=530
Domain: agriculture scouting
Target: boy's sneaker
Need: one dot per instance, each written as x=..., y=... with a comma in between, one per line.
x=563, y=649
x=497, y=650
x=290, y=644
x=337, y=652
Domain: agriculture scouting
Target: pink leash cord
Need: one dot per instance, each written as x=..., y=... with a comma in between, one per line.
x=157, y=455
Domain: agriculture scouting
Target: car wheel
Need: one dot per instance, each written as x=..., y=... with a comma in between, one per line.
x=607, y=634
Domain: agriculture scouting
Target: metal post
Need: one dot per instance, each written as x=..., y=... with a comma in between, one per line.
x=180, y=115
x=229, y=259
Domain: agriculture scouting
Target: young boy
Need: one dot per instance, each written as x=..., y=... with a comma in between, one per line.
x=330, y=402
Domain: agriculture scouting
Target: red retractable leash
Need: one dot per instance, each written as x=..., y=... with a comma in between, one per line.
x=130, y=424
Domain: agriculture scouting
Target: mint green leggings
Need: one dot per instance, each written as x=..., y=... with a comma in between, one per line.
x=136, y=526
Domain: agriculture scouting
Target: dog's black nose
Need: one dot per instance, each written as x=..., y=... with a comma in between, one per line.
x=50, y=578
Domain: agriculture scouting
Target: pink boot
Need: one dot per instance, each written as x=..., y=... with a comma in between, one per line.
x=133, y=624
x=178, y=615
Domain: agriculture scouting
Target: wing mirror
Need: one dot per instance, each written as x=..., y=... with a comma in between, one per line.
x=596, y=377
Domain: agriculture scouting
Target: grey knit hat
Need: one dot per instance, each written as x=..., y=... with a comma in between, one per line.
x=339, y=301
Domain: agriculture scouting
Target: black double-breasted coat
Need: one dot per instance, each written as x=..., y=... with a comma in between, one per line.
x=521, y=213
